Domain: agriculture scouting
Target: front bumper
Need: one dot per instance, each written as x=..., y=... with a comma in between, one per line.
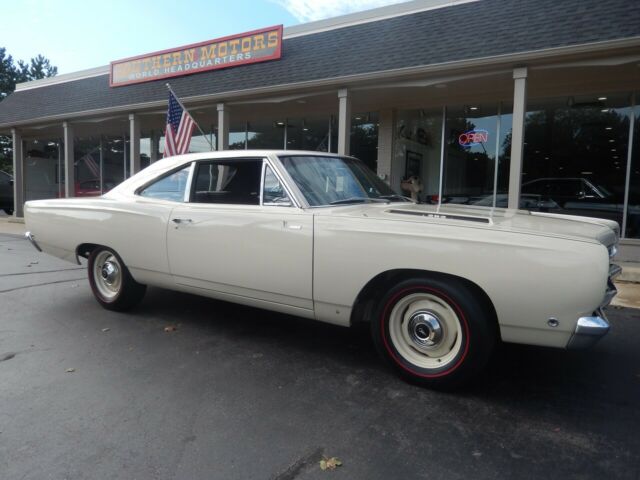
x=589, y=330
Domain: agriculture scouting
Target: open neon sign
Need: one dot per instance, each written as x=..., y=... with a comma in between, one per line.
x=473, y=138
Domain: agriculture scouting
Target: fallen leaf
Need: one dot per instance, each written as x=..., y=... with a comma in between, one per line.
x=106, y=329
x=476, y=454
x=70, y=370
x=170, y=328
x=330, y=463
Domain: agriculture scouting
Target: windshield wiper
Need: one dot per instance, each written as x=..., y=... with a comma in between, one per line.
x=395, y=196
x=345, y=201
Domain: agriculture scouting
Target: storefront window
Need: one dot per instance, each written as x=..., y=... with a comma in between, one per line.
x=266, y=134
x=417, y=151
x=364, y=138
x=470, y=154
x=43, y=169
x=633, y=208
x=308, y=134
x=238, y=135
x=575, y=155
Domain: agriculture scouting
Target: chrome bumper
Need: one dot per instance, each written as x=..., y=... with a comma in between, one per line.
x=32, y=239
x=589, y=330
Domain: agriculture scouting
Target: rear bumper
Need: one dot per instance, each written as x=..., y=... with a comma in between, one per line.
x=589, y=330
x=32, y=239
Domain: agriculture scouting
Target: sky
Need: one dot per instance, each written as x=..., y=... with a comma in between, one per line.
x=80, y=34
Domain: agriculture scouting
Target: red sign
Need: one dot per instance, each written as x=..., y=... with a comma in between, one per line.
x=249, y=47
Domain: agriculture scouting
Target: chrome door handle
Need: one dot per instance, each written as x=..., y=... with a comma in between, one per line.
x=291, y=226
x=182, y=220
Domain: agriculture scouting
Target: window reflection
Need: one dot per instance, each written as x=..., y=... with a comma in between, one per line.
x=43, y=169
x=417, y=149
x=575, y=155
x=470, y=154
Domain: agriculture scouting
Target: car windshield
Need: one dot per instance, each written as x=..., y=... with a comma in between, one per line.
x=325, y=180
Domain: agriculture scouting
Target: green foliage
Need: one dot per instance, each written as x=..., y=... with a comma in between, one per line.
x=12, y=72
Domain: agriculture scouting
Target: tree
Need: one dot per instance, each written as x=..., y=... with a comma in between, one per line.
x=16, y=72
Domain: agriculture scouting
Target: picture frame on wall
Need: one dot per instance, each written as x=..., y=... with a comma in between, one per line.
x=413, y=164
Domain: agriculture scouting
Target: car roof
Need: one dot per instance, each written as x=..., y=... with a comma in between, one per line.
x=190, y=157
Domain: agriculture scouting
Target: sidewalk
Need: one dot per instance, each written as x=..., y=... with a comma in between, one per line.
x=12, y=226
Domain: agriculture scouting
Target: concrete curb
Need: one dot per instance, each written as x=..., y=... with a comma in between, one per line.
x=630, y=272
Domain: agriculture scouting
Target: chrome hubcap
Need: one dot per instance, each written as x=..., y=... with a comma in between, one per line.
x=110, y=272
x=425, y=329
x=107, y=275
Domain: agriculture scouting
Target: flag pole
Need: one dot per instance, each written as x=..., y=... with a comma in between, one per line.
x=194, y=120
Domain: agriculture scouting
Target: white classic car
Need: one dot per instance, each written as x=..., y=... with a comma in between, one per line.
x=320, y=236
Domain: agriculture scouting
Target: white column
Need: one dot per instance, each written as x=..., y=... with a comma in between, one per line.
x=69, y=170
x=155, y=146
x=344, y=122
x=223, y=127
x=517, y=134
x=385, y=144
x=134, y=144
x=18, y=177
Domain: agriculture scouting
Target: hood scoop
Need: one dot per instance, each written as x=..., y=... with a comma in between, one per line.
x=441, y=216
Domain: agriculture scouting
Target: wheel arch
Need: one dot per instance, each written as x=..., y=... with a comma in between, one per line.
x=85, y=249
x=365, y=302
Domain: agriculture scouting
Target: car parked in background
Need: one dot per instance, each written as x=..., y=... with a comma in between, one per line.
x=6, y=192
x=321, y=236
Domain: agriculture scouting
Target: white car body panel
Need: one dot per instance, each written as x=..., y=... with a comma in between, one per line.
x=314, y=262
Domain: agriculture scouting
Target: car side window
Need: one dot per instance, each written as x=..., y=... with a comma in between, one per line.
x=170, y=187
x=273, y=192
x=234, y=182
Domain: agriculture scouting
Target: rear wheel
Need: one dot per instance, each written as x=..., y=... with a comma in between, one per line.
x=434, y=331
x=111, y=283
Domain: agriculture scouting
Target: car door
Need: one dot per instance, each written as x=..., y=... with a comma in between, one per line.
x=241, y=236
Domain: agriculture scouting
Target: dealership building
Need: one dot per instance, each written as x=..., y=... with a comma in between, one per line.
x=520, y=103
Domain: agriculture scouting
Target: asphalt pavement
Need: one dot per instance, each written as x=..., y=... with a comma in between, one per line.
x=191, y=388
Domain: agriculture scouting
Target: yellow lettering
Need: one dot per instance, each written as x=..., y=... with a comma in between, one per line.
x=189, y=54
x=222, y=52
x=177, y=58
x=166, y=60
x=234, y=46
x=258, y=42
x=272, y=39
x=208, y=52
x=246, y=44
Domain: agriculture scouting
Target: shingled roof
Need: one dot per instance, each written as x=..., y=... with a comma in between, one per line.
x=461, y=32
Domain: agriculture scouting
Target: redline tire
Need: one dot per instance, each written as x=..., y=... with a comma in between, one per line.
x=434, y=331
x=111, y=283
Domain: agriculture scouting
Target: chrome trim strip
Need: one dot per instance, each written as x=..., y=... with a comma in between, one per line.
x=32, y=239
x=589, y=330
x=187, y=190
x=287, y=182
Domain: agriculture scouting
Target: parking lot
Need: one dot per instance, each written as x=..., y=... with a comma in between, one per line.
x=230, y=392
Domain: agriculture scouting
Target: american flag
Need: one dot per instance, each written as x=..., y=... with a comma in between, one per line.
x=180, y=126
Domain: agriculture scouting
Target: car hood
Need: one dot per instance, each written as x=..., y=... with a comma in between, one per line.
x=523, y=221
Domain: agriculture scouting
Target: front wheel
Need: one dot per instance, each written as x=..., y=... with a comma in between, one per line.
x=434, y=331
x=111, y=283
